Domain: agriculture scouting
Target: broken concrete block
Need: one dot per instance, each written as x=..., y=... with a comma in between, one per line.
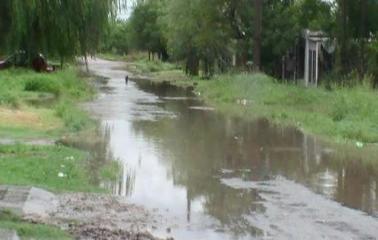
x=27, y=201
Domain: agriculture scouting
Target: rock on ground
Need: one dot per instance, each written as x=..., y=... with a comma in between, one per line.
x=27, y=201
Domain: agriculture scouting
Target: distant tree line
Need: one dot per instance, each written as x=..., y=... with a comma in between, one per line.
x=205, y=35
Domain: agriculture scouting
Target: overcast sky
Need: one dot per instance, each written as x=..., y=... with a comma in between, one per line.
x=125, y=13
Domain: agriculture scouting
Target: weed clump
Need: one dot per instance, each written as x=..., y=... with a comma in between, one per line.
x=73, y=118
x=49, y=85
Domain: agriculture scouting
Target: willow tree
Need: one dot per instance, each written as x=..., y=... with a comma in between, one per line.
x=60, y=28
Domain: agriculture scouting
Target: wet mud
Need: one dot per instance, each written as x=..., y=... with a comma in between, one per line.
x=90, y=216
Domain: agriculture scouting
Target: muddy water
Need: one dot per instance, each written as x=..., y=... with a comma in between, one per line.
x=214, y=177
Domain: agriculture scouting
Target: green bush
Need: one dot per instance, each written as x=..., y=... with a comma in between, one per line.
x=339, y=109
x=50, y=85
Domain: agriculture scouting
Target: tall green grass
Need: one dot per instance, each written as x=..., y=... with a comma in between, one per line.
x=27, y=230
x=342, y=113
x=73, y=117
x=20, y=84
x=41, y=166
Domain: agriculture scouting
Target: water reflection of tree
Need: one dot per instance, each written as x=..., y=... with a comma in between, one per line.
x=196, y=150
x=96, y=143
x=125, y=185
x=198, y=144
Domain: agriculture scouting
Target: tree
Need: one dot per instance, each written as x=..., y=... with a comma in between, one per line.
x=357, y=24
x=257, y=34
x=61, y=28
x=198, y=34
x=117, y=38
x=146, y=29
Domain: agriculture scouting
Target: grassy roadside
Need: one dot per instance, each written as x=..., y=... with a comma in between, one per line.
x=41, y=105
x=27, y=230
x=341, y=114
x=54, y=168
x=344, y=115
x=38, y=106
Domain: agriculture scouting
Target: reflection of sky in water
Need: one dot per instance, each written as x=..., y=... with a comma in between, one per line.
x=153, y=187
x=326, y=183
x=290, y=206
x=176, y=159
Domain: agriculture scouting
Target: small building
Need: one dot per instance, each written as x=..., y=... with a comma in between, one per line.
x=313, y=47
x=311, y=56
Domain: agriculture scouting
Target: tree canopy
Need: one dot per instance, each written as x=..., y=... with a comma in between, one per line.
x=204, y=36
x=209, y=35
x=61, y=28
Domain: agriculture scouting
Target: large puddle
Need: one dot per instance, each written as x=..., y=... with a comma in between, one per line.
x=215, y=177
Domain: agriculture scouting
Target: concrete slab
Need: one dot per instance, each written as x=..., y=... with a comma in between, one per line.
x=27, y=201
x=8, y=235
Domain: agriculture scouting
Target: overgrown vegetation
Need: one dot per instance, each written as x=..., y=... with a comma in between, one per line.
x=74, y=119
x=56, y=168
x=44, y=107
x=43, y=102
x=341, y=113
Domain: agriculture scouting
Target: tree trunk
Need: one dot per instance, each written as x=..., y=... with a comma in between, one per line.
x=344, y=37
x=363, y=37
x=257, y=35
x=61, y=62
x=192, y=65
x=86, y=63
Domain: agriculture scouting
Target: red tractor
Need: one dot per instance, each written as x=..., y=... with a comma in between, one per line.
x=19, y=59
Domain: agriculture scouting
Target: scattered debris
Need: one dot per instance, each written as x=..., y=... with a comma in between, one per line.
x=226, y=171
x=242, y=102
x=90, y=216
x=70, y=158
x=62, y=175
x=359, y=144
x=202, y=108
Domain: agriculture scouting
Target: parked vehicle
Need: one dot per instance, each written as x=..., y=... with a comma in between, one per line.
x=20, y=59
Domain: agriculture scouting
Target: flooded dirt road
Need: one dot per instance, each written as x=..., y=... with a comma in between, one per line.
x=214, y=177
